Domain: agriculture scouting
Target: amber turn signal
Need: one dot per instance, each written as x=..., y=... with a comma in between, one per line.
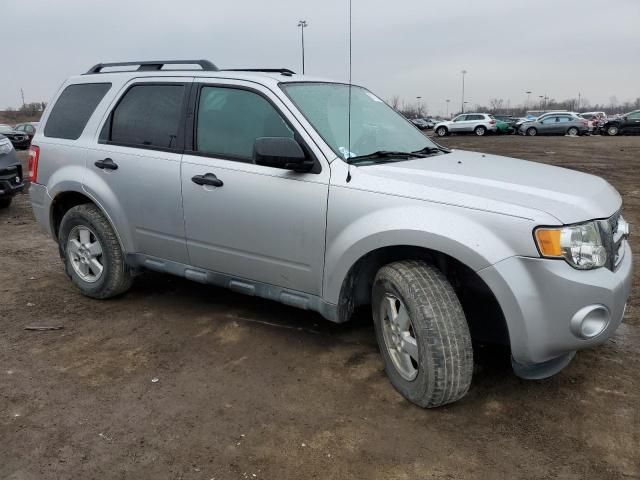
x=548, y=240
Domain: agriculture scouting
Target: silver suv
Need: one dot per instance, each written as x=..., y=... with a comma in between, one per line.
x=478, y=123
x=253, y=180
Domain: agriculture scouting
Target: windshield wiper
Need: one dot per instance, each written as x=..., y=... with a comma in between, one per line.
x=386, y=155
x=431, y=150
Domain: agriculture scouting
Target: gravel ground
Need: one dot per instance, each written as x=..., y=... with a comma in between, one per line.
x=178, y=380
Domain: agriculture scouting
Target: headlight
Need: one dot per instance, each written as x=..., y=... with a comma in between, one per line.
x=5, y=146
x=580, y=245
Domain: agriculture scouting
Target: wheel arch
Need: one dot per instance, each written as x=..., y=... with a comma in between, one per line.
x=484, y=314
x=64, y=200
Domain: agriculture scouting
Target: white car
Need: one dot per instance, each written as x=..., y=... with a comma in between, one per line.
x=478, y=123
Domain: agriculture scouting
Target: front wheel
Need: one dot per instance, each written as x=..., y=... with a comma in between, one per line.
x=480, y=131
x=91, y=253
x=573, y=131
x=612, y=130
x=422, y=333
x=531, y=132
x=442, y=132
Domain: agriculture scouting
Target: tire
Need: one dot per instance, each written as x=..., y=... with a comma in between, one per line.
x=437, y=331
x=612, y=130
x=442, y=131
x=77, y=250
x=532, y=132
x=5, y=202
x=573, y=131
x=480, y=131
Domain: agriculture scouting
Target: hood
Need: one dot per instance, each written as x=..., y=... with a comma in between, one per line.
x=495, y=183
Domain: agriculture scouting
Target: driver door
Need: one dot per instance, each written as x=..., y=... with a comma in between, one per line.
x=458, y=123
x=259, y=223
x=632, y=123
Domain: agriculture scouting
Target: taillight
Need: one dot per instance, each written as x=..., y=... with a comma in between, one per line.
x=34, y=156
x=492, y=122
x=585, y=123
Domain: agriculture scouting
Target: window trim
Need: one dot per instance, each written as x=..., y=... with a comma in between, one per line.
x=180, y=137
x=192, y=121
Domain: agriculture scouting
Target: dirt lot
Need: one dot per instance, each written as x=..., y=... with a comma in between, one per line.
x=251, y=389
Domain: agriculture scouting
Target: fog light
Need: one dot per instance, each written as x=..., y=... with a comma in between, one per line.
x=590, y=321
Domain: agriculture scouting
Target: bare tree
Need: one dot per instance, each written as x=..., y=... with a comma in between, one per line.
x=395, y=102
x=496, y=104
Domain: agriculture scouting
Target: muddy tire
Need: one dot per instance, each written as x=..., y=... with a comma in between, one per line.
x=5, y=202
x=91, y=253
x=532, y=132
x=422, y=333
x=612, y=130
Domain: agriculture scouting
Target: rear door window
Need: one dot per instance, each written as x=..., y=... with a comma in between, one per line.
x=147, y=116
x=73, y=109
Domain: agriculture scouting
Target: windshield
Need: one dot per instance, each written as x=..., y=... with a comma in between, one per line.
x=6, y=129
x=375, y=126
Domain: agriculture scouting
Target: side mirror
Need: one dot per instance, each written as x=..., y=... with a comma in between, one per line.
x=281, y=152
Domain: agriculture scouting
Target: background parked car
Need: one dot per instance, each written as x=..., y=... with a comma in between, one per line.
x=28, y=128
x=420, y=123
x=10, y=172
x=20, y=140
x=627, y=123
x=556, y=124
x=478, y=123
x=430, y=122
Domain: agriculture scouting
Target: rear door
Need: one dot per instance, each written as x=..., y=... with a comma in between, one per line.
x=259, y=223
x=134, y=166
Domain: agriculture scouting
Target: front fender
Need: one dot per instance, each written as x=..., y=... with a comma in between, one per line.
x=475, y=238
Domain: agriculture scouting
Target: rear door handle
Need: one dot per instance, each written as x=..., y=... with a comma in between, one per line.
x=106, y=164
x=207, y=179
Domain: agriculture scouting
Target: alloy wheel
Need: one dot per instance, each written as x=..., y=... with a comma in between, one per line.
x=399, y=337
x=85, y=254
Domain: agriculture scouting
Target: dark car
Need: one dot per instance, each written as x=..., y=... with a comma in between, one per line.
x=20, y=140
x=28, y=128
x=10, y=173
x=420, y=123
x=627, y=123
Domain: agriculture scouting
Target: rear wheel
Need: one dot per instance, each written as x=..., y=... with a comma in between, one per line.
x=5, y=202
x=422, y=333
x=480, y=131
x=91, y=253
x=612, y=130
x=573, y=131
x=442, y=131
x=532, y=132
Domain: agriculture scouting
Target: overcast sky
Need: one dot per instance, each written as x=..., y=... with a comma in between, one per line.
x=400, y=47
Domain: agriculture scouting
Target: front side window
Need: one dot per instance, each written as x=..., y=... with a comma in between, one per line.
x=148, y=116
x=230, y=120
x=460, y=118
x=634, y=116
x=73, y=109
x=375, y=126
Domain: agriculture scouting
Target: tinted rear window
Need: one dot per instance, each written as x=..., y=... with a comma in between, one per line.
x=149, y=116
x=73, y=109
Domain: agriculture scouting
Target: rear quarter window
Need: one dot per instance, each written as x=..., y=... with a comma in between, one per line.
x=73, y=109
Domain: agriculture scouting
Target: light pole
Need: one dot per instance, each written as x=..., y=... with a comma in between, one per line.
x=448, y=107
x=541, y=97
x=419, y=109
x=463, y=72
x=528, y=95
x=302, y=24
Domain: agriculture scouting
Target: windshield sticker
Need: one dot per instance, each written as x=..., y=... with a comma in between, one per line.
x=346, y=153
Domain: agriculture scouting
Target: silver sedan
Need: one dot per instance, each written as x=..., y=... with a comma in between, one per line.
x=559, y=124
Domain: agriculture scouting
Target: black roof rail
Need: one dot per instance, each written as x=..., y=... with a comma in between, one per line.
x=205, y=65
x=283, y=71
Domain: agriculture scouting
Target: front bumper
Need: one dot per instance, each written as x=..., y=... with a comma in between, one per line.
x=540, y=297
x=10, y=181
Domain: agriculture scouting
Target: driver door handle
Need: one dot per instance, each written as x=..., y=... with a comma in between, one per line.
x=207, y=179
x=106, y=164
